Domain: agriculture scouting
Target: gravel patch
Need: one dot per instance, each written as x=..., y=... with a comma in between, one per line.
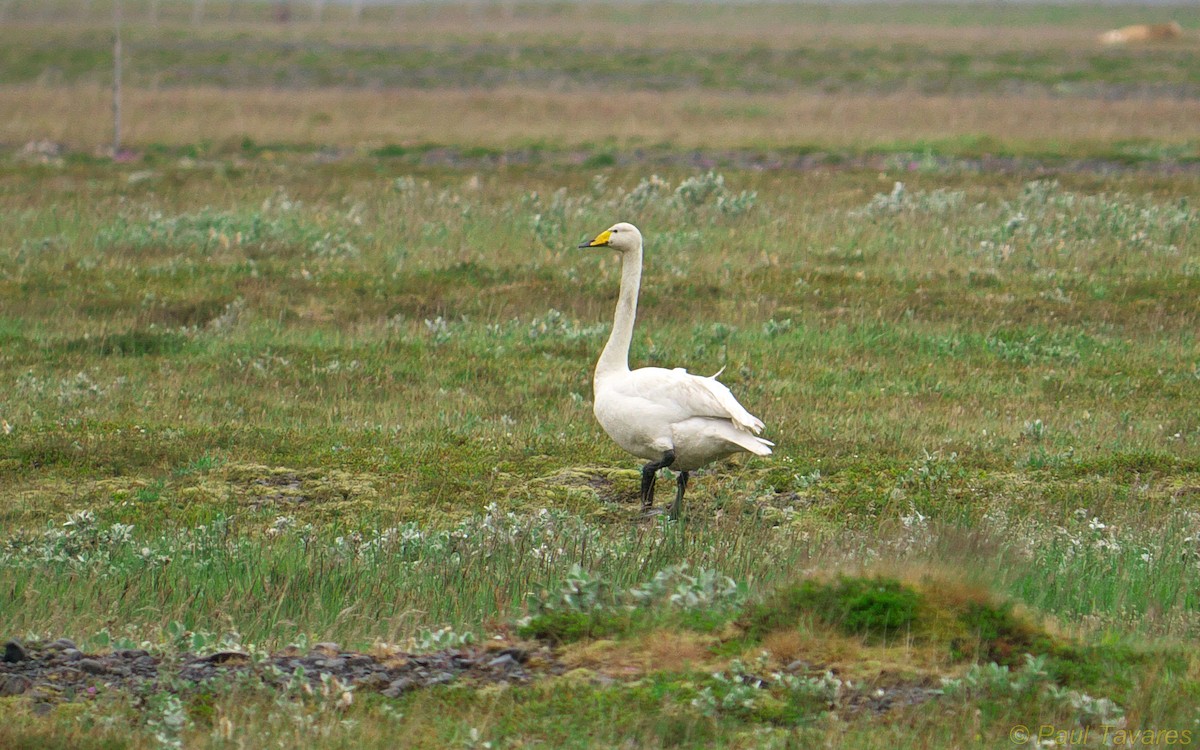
x=58, y=670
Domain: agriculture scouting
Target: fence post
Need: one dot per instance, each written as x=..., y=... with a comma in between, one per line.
x=116, y=92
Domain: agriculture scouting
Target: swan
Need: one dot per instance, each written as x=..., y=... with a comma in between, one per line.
x=671, y=418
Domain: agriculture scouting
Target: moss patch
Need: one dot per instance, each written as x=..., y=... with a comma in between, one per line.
x=282, y=486
x=956, y=622
x=570, y=627
x=873, y=608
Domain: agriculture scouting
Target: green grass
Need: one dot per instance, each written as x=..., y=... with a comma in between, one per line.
x=251, y=396
x=763, y=48
x=830, y=66
x=287, y=402
x=876, y=608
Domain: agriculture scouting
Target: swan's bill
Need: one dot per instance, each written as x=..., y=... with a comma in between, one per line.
x=601, y=239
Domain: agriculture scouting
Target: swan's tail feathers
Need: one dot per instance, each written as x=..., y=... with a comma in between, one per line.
x=717, y=438
x=759, y=446
x=756, y=445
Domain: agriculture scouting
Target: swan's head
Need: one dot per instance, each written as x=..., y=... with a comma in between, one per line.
x=622, y=237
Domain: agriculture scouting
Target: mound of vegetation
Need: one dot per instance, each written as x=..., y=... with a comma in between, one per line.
x=970, y=624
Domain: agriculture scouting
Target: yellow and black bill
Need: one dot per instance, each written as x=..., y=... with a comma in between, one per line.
x=600, y=241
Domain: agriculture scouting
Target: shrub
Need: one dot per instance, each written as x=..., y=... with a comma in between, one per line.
x=874, y=608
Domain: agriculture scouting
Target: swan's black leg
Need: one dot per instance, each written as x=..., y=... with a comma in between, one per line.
x=678, y=506
x=649, y=474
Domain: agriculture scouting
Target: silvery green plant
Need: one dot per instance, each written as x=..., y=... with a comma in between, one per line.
x=901, y=201
x=428, y=641
x=930, y=470
x=701, y=589
x=167, y=719
x=743, y=688
x=1089, y=711
x=698, y=190
x=824, y=687
x=736, y=690
x=995, y=680
x=647, y=192
x=580, y=591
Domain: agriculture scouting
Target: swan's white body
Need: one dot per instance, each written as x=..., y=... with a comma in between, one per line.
x=652, y=411
x=659, y=414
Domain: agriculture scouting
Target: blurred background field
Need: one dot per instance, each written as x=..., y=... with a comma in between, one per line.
x=308, y=358
x=984, y=78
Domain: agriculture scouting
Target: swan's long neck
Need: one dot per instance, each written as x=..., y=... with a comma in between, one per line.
x=615, y=357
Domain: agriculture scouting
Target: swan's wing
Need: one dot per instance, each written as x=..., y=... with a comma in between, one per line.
x=688, y=396
x=741, y=418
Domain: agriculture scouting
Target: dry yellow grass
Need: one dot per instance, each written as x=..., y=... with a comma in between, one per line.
x=672, y=650
x=79, y=117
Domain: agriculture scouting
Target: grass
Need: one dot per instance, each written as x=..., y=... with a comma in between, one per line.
x=281, y=402
x=965, y=80
x=526, y=126
x=833, y=65
x=317, y=367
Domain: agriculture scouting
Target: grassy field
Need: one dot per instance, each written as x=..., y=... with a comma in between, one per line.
x=312, y=362
x=1024, y=80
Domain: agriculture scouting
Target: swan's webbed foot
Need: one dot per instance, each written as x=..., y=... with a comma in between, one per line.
x=649, y=474
x=681, y=482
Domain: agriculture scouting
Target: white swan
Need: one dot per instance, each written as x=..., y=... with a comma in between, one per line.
x=669, y=417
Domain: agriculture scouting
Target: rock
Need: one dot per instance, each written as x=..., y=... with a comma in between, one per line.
x=519, y=654
x=503, y=661
x=373, y=681
x=42, y=708
x=15, y=652
x=360, y=660
x=93, y=666
x=400, y=686
x=223, y=657
x=14, y=684
x=59, y=671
